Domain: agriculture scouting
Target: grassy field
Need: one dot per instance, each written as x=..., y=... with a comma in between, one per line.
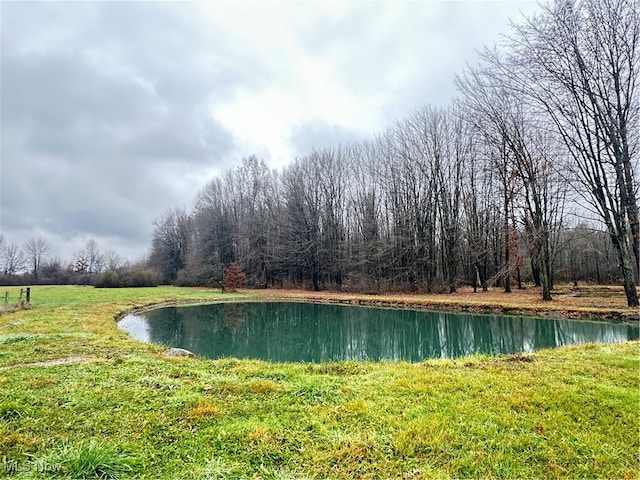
x=120, y=409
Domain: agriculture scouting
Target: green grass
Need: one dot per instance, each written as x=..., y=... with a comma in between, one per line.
x=90, y=460
x=126, y=411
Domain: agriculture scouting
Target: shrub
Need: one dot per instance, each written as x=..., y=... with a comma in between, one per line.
x=142, y=278
x=135, y=278
x=109, y=279
x=185, y=279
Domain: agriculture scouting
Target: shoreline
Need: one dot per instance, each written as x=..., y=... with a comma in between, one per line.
x=518, y=303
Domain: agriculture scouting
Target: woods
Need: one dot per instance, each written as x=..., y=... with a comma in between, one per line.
x=537, y=153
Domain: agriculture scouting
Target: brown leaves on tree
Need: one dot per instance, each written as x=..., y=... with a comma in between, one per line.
x=234, y=277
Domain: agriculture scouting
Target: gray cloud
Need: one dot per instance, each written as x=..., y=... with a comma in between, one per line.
x=317, y=135
x=98, y=118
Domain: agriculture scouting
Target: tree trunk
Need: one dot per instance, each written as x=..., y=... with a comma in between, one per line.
x=535, y=271
x=624, y=257
x=545, y=274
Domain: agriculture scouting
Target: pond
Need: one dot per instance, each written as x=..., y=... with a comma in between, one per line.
x=304, y=332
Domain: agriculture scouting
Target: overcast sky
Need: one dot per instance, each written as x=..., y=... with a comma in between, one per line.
x=113, y=112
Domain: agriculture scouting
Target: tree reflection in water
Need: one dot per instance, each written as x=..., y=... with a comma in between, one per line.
x=233, y=316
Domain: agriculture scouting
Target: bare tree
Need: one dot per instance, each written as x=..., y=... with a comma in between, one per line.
x=94, y=257
x=366, y=223
x=477, y=193
x=253, y=184
x=579, y=62
x=36, y=250
x=331, y=168
x=12, y=260
x=452, y=151
x=170, y=242
x=213, y=232
x=412, y=197
x=488, y=112
x=302, y=226
x=114, y=261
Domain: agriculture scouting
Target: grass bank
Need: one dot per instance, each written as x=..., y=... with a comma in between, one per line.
x=602, y=302
x=80, y=399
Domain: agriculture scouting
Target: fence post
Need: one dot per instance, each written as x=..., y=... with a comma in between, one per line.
x=28, y=295
x=6, y=299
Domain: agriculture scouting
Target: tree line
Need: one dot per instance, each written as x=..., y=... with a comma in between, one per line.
x=35, y=264
x=480, y=192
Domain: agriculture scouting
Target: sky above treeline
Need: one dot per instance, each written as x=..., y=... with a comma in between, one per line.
x=114, y=112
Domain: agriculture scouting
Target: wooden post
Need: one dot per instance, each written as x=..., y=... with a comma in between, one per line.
x=6, y=299
x=21, y=292
x=28, y=295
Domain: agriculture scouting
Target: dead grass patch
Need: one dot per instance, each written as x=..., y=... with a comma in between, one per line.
x=519, y=358
x=204, y=410
x=264, y=386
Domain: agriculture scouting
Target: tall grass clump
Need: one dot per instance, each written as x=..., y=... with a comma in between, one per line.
x=92, y=460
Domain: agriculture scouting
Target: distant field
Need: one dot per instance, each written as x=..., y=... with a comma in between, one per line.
x=80, y=399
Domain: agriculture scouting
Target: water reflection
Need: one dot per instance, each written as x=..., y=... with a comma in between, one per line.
x=314, y=333
x=233, y=316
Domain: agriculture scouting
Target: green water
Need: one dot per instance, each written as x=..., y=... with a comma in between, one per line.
x=303, y=332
